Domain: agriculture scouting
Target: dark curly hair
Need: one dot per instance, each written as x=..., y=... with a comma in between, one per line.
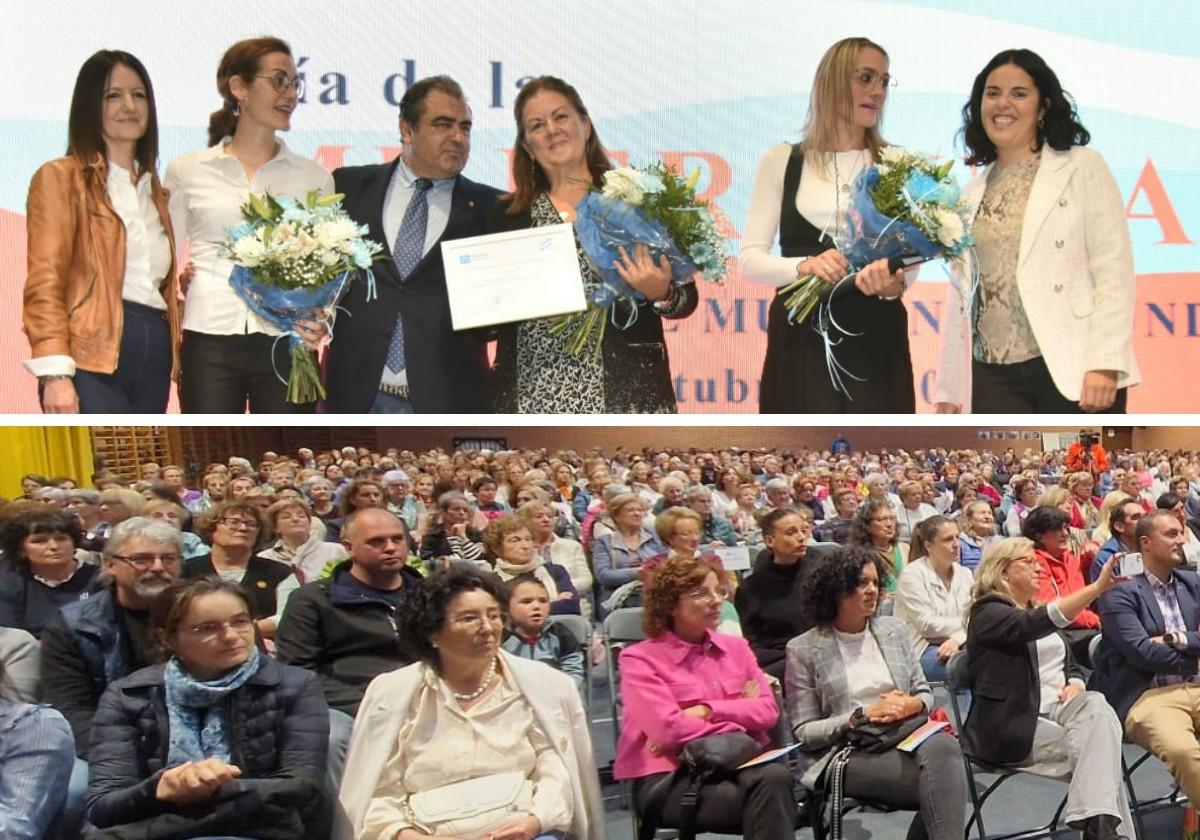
x=424, y=612
x=1058, y=126
x=14, y=531
x=1043, y=520
x=834, y=579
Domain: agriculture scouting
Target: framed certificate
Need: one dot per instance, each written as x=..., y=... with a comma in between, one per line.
x=513, y=276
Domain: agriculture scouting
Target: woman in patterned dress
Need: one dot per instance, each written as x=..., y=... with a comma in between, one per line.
x=1049, y=327
x=557, y=157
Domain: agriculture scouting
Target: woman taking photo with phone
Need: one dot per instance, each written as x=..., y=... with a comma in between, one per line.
x=101, y=310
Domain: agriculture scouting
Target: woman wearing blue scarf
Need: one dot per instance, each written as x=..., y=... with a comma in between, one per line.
x=220, y=741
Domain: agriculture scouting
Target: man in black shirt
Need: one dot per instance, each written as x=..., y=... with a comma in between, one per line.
x=344, y=627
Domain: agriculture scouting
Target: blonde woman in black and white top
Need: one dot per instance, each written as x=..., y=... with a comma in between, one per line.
x=802, y=193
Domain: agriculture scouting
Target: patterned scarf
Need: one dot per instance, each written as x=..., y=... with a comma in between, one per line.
x=535, y=567
x=195, y=723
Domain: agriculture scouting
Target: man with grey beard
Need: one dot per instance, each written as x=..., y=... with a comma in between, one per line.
x=94, y=642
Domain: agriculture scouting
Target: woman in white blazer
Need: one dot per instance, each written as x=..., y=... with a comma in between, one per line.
x=436, y=744
x=1050, y=325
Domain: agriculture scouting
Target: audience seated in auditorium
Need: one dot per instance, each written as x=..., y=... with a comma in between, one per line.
x=36, y=756
x=768, y=601
x=41, y=573
x=976, y=528
x=855, y=667
x=1124, y=514
x=510, y=544
x=562, y=551
x=874, y=527
x=1150, y=650
x=529, y=634
x=450, y=538
x=933, y=593
x=616, y=557
x=1049, y=530
x=94, y=642
x=233, y=528
x=1029, y=706
x=297, y=545
x=468, y=722
x=219, y=740
x=687, y=681
x=345, y=627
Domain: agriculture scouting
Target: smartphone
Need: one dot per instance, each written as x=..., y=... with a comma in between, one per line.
x=1130, y=565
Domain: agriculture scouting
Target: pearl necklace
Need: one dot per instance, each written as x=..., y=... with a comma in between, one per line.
x=483, y=686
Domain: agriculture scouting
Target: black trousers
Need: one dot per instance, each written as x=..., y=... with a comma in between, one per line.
x=221, y=373
x=1024, y=388
x=759, y=804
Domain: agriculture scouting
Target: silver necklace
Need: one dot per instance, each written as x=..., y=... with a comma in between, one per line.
x=483, y=686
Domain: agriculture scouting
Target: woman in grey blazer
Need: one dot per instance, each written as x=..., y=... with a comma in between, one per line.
x=854, y=668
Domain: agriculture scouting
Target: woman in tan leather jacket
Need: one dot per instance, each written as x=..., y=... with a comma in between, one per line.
x=101, y=309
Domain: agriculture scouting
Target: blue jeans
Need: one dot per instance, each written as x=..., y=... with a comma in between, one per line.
x=340, y=726
x=70, y=819
x=141, y=383
x=934, y=668
x=390, y=404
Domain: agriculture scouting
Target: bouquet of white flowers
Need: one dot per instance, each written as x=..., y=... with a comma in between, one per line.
x=292, y=261
x=654, y=206
x=906, y=205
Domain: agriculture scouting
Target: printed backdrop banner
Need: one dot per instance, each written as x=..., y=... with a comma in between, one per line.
x=702, y=83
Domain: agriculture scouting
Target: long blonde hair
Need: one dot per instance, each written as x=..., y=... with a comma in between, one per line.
x=827, y=103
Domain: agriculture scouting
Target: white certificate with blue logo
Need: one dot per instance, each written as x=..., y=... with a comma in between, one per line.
x=514, y=276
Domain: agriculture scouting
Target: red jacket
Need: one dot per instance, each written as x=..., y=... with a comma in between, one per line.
x=1062, y=576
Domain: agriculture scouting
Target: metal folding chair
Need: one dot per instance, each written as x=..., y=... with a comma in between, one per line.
x=622, y=627
x=1173, y=799
x=958, y=679
x=581, y=629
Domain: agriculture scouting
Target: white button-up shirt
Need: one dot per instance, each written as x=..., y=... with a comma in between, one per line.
x=208, y=189
x=147, y=254
x=399, y=195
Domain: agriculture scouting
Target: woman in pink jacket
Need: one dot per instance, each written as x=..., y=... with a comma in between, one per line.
x=687, y=681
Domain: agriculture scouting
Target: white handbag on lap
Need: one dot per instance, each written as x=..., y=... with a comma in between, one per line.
x=470, y=807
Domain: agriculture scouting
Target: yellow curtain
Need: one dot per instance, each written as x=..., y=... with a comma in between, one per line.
x=51, y=451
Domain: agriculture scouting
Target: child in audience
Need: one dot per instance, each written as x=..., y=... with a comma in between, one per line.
x=529, y=635
x=484, y=489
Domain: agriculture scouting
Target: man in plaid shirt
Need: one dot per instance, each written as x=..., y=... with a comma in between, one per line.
x=1147, y=662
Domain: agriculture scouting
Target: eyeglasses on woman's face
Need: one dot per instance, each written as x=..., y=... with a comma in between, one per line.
x=283, y=83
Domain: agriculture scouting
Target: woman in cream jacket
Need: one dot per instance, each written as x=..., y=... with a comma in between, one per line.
x=410, y=720
x=1050, y=326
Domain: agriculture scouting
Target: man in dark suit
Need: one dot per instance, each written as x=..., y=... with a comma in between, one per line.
x=398, y=354
x=1147, y=662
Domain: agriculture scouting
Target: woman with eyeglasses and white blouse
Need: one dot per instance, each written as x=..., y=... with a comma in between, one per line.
x=230, y=356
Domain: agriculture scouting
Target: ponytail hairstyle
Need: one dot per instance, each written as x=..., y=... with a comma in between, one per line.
x=925, y=532
x=243, y=59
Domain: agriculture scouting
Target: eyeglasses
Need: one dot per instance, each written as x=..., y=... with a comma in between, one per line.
x=282, y=83
x=239, y=524
x=210, y=630
x=142, y=562
x=883, y=519
x=700, y=595
x=868, y=78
